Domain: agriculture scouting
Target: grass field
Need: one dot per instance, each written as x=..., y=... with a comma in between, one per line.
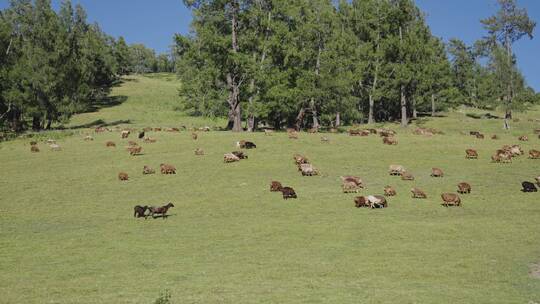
x=67, y=232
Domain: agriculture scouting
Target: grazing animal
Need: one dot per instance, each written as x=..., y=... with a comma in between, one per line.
x=245, y=144
x=148, y=170
x=88, y=138
x=389, y=191
x=139, y=211
x=450, y=199
x=300, y=159
x=308, y=170
x=288, y=192
x=157, y=129
x=353, y=132
x=141, y=135
x=160, y=210
x=325, y=139
x=125, y=133
x=34, y=149
x=471, y=154
x=534, y=154
x=480, y=136
x=361, y=201
x=474, y=133
x=123, y=176
x=528, y=187
x=268, y=132
x=350, y=187
x=464, y=188
x=371, y=201
x=386, y=132
x=536, y=131
x=55, y=147
x=199, y=151
x=436, y=172
x=494, y=136
x=407, y=176
x=147, y=129
x=275, y=186
x=353, y=179
x=240, y=154
x=194, y=136
x=110, y=144
x=292, y=134
x=229, y=158
x=150, y=140
x=389, y=140
x=167, y=169
x=135, y=150
x=396, y=169
x=516, y=150
x=523, y=138
x=417, y=193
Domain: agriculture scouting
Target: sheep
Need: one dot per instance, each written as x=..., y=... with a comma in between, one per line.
x=275, y=186
x=389, y=140
x=464, y=188
x=288, y=192
x=125, y=133
x=123, y=176
x=407, y=176
x=34, y=149
x=308, y=170
x=240, y=154
x=534, y=154
x=436, y=172
x=199, y=151
x=167, y=169
x=55, y=147
x=110, y=144
x=194, y=136
x=471, y=154
x=396, y=169
x=139, y=211
x=389, y=191
x=450, y=199
x=229, y=158
x=135, y=150
x=148, y=170
x=528, y=187
x=160, y=210
x=417, y=193
x=523, y=138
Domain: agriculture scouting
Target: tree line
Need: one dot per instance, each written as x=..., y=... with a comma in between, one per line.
x=307, y=63
x=54, y=64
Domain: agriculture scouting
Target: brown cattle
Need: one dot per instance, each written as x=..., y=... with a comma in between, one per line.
x=407, y=176
x=361, y=201
x=450, y=199
x=157, y=129
x=371, y=201
x=353, y=132
x=353, y=179
x=436, y=172
x=523, y=138
x=149, y=140
x=148, y=170
x=288, y=192
x=194, y=136
x=480, y=136
x=135, y=150
x=389, y=191
x=300, y=159
x=417, y=193
x=308, y=170
x=240, y=154
x=125, y=133
x=229, y=158
x=110, y=144
x=167, y=169
x=534, y=154
x=474, y=133
x=275, y=186
x=349, y=187
x=494, y=136
x=464, y=188
x=396, y=170
x=199, y=151
x=88, y=138
x=34, y=149
x=123, y=176
x=389, y=140
x=471, y=154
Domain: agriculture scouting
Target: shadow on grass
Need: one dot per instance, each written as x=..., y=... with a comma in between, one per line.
x=97, y=123
x=106, y=102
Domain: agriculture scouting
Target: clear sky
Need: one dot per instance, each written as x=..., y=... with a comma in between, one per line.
x=154, y=22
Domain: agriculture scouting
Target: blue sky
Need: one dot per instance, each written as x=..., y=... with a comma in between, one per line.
x=154, y=22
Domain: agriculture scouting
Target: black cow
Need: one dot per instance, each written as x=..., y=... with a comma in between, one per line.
x=528, y=187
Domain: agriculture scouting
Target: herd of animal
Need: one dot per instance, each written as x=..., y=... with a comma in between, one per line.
x=349, y=183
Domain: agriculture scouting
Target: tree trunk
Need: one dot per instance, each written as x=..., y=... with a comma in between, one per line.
x=338, y=120
x=414, y=112
x=300, y=119
x=312, y=102
x=432, y=105
x=232, y=81
x=370, y=114
x=404, y=121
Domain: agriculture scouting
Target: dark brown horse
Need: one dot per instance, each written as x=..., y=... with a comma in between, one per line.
x=139, y=211
x=160, y=210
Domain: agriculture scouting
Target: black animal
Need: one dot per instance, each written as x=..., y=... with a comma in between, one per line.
x=288, y=192
x=250, y=145
x=160, y=210
x=139, y=211
x=528, y=187
x=141, y=135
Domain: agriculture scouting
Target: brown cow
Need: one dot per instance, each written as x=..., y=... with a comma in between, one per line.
x=389, y=140
x=417, y=193
x=275, y=186
x=34, y=149
x=464, y=188
x=199, y=151
x=389, y=191
x=450, y=199
x=125, y=133
x=396, y=170
x=240, y=154
x=523, y=138
x=480, y=136
x=407, y=176
x=288, y=192
x=110, y=144
x=167, y=169
x=361, y=201
x=371, y=201
x=436, y=172
x=494, y=136
x=123, y=176
x=135, y=150
x=350, y=187
x=229, y=158
x=194, y=136
x=354, y=179
x=148, y=170
x=471, y=154
x=300, y=159
x=534, y=154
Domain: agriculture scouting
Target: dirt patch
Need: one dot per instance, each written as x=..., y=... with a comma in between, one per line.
x=534, y=270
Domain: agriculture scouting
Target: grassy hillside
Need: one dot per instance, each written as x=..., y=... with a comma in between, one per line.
x=67, y=232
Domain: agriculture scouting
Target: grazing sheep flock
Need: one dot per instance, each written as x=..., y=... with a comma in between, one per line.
x=349, y=183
